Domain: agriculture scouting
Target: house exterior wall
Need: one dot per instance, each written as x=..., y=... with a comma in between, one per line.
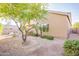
x=58, y=25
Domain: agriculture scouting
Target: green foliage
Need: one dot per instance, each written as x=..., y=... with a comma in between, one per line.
x=76, y=25
x=23, y=11
x=1, y=28
x=71, y=48
x=43, y=27
x=32, y=34
x=48, y=37
x=22, y=14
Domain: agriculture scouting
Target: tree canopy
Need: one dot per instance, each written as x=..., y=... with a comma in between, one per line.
x=23, y=13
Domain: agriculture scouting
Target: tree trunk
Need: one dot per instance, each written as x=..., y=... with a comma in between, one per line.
x=24, y=37
x=36, y=32
x=41, y=33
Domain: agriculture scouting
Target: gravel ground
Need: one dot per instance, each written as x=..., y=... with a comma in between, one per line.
x=55, y=48
x=74, y=36
x=36, y=47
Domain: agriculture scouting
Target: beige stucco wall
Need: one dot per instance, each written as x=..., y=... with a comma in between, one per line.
x=58, y=25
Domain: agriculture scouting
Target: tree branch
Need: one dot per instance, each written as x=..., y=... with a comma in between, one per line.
x=18, y=26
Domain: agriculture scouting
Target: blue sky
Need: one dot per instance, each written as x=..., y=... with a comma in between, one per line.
x=67, y=7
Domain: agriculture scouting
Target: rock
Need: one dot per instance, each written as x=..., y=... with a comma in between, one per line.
x=12, y=33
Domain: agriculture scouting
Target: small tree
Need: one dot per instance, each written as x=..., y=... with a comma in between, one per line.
x=76, y=25
x=23, y=14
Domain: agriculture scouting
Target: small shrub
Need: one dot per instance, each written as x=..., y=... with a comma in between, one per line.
x=33, y=34
x=14, y=35
x=45, y=36
x=71, y=48
x=48, y=37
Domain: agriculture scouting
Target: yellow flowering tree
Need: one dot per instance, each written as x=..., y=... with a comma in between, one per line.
x=76, y=25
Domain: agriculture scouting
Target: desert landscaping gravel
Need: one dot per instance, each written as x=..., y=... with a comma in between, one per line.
x=35, y=46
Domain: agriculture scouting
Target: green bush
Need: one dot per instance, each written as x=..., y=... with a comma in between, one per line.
x=71, y=48
x=44, y=36
x=32, y=34
x=48, y=37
